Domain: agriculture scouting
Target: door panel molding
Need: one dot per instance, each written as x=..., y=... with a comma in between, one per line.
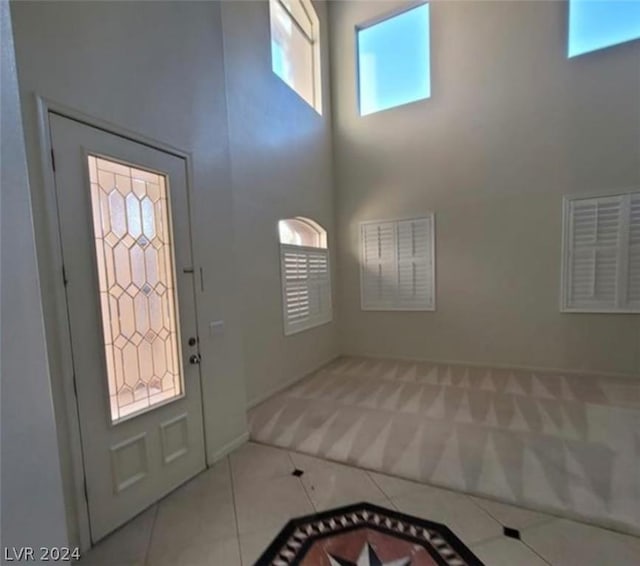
x=174, y=435
x=127, y=454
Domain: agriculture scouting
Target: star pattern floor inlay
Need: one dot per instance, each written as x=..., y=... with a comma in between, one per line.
x=368, y=557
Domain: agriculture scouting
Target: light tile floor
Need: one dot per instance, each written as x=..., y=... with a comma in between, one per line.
x=228, y=515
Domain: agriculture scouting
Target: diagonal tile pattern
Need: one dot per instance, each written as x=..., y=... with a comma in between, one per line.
x=201, y=522
x=561, y=442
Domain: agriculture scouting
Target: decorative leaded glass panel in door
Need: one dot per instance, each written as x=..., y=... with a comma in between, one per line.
x=136, y=273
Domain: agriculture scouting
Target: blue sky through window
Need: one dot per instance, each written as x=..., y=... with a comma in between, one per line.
x=595, y=24
x=279, y=62
x=393, y=61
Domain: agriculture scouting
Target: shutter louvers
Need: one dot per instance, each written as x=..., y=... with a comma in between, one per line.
x=594, y=256
x=633, y=289
x=397, y=265
x=595, y=225
x=296, y=285
x=414, y=263
x=306, y=289
x=379, y=267
x=583, y=229
x=602, y=254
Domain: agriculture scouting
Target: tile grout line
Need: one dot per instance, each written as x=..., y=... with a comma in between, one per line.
x=539, y=523
x=536, y=552
x=304, y=488
x=235, y=508
x=522, y=529
x=387, y=497
x=418, y=484
x=531, y=547
x=153, y=527
x=488, y=513
x=521, y=540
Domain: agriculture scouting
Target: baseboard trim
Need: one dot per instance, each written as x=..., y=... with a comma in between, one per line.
x=379, y=356
x=228, y=448
x=290, y=382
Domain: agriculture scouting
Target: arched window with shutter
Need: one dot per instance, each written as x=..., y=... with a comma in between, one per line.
x=306, y=275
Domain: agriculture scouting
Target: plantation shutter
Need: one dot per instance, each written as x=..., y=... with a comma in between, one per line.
x=602, y=255
x=397, y=262
x=306, y=287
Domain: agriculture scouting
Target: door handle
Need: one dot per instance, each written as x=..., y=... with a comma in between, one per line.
x=194, y=359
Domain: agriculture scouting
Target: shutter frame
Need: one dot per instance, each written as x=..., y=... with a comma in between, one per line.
x=306, y=299
x=393, y=293
x=616, y=263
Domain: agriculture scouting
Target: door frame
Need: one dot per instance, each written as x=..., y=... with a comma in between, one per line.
x=57, y=331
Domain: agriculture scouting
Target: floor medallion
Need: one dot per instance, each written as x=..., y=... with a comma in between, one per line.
x=366, y=535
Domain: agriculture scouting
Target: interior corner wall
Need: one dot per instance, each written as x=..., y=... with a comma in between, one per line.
x=155, y=69
x=33, y=512
x=281, y=163
x=512, y=125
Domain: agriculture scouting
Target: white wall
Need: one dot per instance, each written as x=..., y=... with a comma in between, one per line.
x=154, y=68
x=33, y=511
x=512, y=126
x=281, y=167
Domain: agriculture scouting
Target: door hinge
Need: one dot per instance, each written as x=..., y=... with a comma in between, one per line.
x=64, y=276
x=53, y=160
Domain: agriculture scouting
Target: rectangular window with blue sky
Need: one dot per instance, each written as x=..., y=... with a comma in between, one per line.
x=394, y=61
x=596, y=24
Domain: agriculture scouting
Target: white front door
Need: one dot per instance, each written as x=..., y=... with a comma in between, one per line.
x=124, y=226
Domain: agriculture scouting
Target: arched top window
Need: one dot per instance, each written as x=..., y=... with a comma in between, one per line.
x=305, y=273
x=301, y=231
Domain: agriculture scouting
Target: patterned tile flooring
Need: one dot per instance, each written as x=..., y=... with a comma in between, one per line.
x=563, y=443
x=228, y=515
